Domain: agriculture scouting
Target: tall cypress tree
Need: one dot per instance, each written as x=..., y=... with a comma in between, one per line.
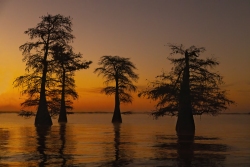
x=37, y=55
x=66, y=63
x=190, y=88
x=118, y=70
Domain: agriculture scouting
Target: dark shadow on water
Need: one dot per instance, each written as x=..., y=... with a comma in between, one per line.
x=49, y=146
x=185, y=151
x=62, y=132
x=42, y=135
x=66, y=145
x=122, y=157
x=117, y=142
x=4, y=141
x=196, y=152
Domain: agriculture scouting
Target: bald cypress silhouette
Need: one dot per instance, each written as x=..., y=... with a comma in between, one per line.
x=190, y=88
x=65, y=65
x=37, y=55
x=118, y=70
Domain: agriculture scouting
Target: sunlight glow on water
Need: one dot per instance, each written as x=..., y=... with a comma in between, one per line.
x=91, y=140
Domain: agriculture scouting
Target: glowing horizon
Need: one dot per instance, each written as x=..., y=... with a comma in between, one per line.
x=138, y=30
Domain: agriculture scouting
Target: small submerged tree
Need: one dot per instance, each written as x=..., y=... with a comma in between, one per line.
x=66, y=63
x=191, y=88
x=118, y=70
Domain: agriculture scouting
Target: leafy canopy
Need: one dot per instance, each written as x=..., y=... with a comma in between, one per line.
x=44, y=66
x=119, y=70
x=207, y=96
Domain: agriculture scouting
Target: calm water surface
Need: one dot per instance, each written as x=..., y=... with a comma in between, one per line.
x=91, y=140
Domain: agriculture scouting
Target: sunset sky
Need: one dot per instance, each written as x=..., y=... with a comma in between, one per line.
x=137, y=29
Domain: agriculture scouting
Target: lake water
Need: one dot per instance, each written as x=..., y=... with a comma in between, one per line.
x=91, y=140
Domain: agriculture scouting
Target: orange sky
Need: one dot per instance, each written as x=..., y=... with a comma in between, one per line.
x=136, y=29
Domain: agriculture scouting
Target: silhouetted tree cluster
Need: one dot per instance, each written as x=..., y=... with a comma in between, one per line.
x=50, y=66
x=190, y=88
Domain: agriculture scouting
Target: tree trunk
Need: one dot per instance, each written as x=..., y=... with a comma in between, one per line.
x=42, y=115
x=185, y=123
x=117, y=118
x=63, y=113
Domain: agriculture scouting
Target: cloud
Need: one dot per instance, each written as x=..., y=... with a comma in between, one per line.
x=9, y=107
x=229, y=85
x=238, y=84
x=243, y=90
x=141, y=87
x=244, y=87
x=98, y=89
x=89, y=90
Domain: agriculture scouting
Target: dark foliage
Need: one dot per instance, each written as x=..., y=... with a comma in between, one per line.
x=66, y=63
x=38, y=82
x=118, y=70
x=206, y=94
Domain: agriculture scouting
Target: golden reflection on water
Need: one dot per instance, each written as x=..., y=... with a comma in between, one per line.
x=91, y=140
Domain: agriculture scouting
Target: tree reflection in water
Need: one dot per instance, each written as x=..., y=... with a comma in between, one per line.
x=122, y=153
x=199, y=151
x=51, y=146
x=117, y=141
x=185, y=151
x=4, y=140
x=42, y=135
x=62, y=132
